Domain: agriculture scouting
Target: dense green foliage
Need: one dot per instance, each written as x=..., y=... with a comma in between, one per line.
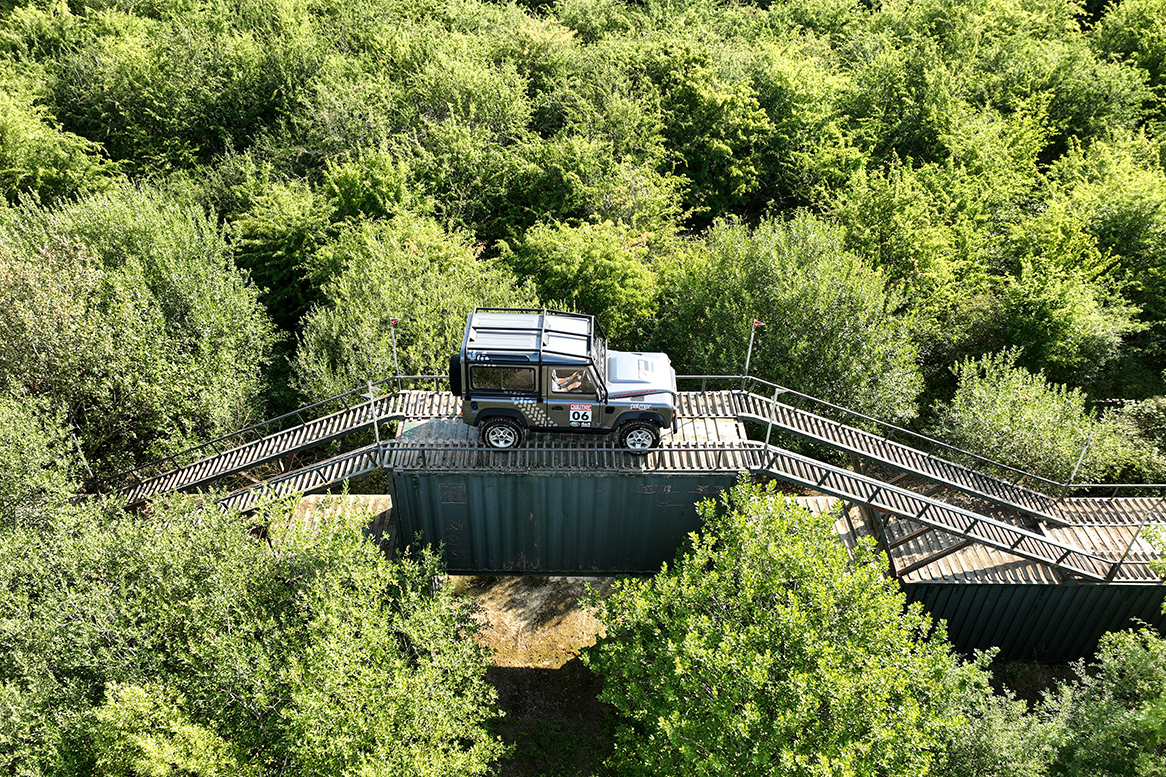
x=1045, y=429
x=764, y=649
x=768, y=648
x=125, y=310
x=1115, y=715
x=184, y=644
x=36, y=461
x=948, y=213
x=894, y=189
x=407, y=268
x=829, y=331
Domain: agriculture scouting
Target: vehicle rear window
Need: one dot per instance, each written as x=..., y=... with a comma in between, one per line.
x=502, y=378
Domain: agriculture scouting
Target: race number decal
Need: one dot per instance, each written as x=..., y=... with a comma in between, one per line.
x=580, y=415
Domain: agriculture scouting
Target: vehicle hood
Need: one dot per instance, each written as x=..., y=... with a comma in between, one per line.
x=641, y=375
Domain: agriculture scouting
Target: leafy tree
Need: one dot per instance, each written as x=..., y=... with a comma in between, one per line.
x=830, y=327
x=1059, y=321
x=1014, y=416
x=183, y=643
x=1115, y=713
x=999, y=736
x=137, y=733
x=170, y=90
x=765, y=649
x=715, y=127
x=127, y=312
x=37, y=156
x=600, y=269
x=1135, y=31
x=1117, y=190
x=37, y=461
x=408, y=268
x=276, y=241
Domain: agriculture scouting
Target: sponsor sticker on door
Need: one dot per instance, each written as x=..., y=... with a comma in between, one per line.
x=580, y=414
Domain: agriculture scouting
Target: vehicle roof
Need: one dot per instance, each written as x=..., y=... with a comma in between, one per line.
x=537, y=335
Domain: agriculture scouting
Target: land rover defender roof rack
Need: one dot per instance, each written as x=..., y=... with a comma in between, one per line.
x=542, y=330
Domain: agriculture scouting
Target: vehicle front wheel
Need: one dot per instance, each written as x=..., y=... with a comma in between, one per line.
x=501, y=433
x=639, y=436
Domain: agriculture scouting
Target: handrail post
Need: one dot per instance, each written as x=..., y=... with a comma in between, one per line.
x=772, y=411
x=1080, y=459
x=1116, y=567
x=376, y=415
x=396, y=364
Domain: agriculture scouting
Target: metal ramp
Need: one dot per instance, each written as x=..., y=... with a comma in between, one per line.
x=272, y=440
x=316, y=477
x=754, y=456
x=866, y=491
x=301, y=434
x=747, y=406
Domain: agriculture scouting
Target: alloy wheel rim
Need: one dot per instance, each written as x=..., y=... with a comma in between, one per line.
x=640, y=439
x=501, y=437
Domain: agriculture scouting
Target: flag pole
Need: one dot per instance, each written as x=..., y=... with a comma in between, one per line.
x=749, y=353
x=396, y=364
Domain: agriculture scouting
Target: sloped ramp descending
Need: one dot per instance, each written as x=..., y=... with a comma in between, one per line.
x=862, y=490
x=753, y=456
x=305, y=434
x=311, y=479
x=747, y=406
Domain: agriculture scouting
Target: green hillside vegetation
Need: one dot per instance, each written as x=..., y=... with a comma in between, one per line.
x=951, y=214
x=896, y=189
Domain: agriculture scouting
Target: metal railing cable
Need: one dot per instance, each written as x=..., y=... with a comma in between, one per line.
x=989, y=463
x=299, y=417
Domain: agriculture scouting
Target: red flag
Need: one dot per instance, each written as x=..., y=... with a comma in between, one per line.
x=393, y=321
x=757, y=323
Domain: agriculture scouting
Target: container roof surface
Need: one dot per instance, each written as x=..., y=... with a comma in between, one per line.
x=700, y=445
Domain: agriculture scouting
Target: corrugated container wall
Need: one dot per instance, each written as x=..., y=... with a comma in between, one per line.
x=1029, y=610
x=560, y=504
x=494, y=522
x=1049, y=623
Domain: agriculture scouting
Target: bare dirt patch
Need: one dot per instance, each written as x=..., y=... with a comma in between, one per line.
x=535, y=622
x=536, y=628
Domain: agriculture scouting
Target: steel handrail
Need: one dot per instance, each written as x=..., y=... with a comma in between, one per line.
x=879, y=484
x=389, y=448
x=298, y=413
x=919, y=436
x=884, y=424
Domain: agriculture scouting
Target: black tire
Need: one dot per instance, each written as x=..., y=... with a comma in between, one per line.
x=455, y=375
x=639, y=437
x=500, y=433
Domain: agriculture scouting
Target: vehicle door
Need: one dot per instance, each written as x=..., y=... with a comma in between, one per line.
x=572, y=397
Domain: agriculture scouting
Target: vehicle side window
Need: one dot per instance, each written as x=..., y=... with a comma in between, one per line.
x=502, y=378
x=572, y=381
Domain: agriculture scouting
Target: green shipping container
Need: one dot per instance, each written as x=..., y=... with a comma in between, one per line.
x=560, y=504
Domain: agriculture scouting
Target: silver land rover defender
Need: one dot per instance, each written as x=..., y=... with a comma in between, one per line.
x=544, y=370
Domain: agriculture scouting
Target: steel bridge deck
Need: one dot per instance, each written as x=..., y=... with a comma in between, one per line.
x=550, y=451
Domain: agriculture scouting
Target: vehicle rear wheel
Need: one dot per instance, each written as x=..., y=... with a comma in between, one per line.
x=501, y=432
x=639, y=436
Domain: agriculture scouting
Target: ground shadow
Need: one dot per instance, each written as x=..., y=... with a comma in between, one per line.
x=553, y=720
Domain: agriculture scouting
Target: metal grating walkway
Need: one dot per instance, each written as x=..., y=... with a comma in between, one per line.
x=317, y=477
x=887, y=498
x=398, y=406
x=746, y=406
x=561, y=452
x=754, y=456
